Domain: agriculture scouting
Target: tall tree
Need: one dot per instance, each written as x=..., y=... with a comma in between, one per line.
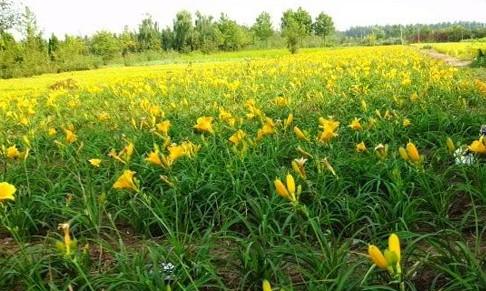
x=295, y=25
x=301, y=17
x=9, y=16
x=128, y=42
x=183, y=31
x=167, y=39
x=263, y=26
x=29, y=24
x=323, y=26
x=105, y=45
x=52, y=46
x=149, y=34
x=231, y=34
x=207, y=36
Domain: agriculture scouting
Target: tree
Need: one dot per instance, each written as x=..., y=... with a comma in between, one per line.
x=105, y=45
x=323, y=26
x=148, y=34
x=9, y=16
x=9, y=55
x=29, y=24
x=207, y=36
x=301, y=17
x=295, y=26
x=263, y=27
x=52, y=46
x=231, y=34
x=167, y=39
x=293, y=32
x=33, y=54
x=128, y=42
x=183, y=31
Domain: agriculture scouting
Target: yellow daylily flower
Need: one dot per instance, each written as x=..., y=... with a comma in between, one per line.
x=71, y=137
x=377, y=257
x=281, y=189
x=355, y=124
x=154, y=158
x=126, y=181
x=300, y=134
x=68, y=244
x=298, y=166
x=406, y=122
x=329, y=124
x=7, y=191
x=326, y=135
x=290, y=183
x=177, y=151
x=286, y=191
x=288, y=121
x=13, y=152
x=267, y=128
x=124, y=155
x=391, y=259
x=237, y=137
x=413, y=153
x=227, y=117
x=52, y=131
x=204, y=124
x=361, y=147
x=394, y=245
x=478, y=146
x=403, y=153
x=163, y=127
x=95, y=162
x=266, y=286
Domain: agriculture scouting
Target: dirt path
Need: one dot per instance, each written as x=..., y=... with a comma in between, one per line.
x=452, y=61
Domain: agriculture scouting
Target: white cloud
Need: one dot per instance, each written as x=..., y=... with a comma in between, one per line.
x=88, y=16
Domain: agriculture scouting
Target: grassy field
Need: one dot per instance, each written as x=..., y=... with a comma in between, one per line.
x=225, y=172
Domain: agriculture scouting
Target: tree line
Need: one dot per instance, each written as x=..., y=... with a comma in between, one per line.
x=412, y=33
x=35, y=54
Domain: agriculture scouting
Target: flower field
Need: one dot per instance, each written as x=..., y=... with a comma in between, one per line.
x=326, y=170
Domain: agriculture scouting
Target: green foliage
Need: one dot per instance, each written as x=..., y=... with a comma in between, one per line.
x=183, y=31
x=439, y=32
x=207, y=36
x=220, y=224
x=263, y=27
x=35, y=55
x=295, y=26
x=300, y=17
x=128, y=42
x=167, y=39
x=149, y=34
x=232, y=35
x=105, y=45
x=53, y=46
x=323, y=26
x=480, y=59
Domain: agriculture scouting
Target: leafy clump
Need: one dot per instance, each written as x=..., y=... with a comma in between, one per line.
x=480, y=59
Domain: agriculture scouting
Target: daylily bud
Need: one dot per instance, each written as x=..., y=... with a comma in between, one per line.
x=377, y=257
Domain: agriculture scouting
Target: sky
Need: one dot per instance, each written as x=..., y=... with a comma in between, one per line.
x=84, y=17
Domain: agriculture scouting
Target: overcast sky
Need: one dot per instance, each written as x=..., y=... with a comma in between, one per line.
x=88, y=16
